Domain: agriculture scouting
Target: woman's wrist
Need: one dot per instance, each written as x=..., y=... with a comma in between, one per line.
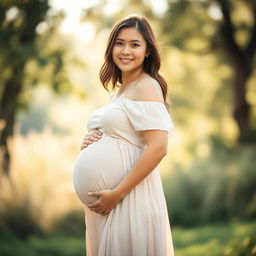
x=119, y=194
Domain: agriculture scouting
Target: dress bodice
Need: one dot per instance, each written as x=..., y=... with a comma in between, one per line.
x=125, y=118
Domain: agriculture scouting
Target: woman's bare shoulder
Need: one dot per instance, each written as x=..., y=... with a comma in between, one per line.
x=148, y=89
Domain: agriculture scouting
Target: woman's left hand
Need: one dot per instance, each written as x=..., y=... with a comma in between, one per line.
x=107, y=200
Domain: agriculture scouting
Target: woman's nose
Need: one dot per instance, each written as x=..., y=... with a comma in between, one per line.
x=125, y=49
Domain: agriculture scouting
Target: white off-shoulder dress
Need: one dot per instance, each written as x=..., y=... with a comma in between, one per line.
x=139, y=224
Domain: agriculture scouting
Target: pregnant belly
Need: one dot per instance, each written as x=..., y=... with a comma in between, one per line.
x=101, y=166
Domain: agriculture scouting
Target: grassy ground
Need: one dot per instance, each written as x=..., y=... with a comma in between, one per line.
x=212, y=240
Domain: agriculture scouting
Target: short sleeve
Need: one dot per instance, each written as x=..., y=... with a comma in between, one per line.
x=148, y=115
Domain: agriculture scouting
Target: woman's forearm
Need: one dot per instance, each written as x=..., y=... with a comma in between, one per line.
x=147, y=162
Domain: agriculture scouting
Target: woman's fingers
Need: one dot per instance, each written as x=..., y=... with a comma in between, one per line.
x=95, y=205
x=104, y=213
x=98, y=210
x=101, y=211
x=94, y=136
x=85, y=143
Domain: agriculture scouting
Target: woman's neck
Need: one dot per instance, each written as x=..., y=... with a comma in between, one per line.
x=129, y=77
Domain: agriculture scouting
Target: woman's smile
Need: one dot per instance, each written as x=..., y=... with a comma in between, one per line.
x=125, y=60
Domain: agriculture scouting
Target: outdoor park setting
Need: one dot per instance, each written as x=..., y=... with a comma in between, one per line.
x=51, y=52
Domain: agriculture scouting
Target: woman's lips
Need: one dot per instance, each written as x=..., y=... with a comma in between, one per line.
x=125, y=60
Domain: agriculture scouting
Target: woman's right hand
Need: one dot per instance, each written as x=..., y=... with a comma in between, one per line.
x=93, y=136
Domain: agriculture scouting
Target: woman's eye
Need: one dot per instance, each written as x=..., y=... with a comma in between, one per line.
x=119, y=43
x=135, y=45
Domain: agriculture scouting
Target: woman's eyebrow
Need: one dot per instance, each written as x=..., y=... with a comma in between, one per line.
x=135, y=40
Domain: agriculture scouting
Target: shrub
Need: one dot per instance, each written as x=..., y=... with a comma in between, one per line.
x=213, y=189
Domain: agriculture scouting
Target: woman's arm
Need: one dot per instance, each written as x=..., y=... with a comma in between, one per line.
x=156, y=149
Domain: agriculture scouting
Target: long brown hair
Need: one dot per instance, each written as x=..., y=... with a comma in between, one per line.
x=110, y=72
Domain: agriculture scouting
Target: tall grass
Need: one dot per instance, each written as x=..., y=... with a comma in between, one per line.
x=39, y=190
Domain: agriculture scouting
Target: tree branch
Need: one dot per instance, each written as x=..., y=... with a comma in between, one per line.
x=251, y=48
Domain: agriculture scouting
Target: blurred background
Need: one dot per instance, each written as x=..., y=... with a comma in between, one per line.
x=50, y=55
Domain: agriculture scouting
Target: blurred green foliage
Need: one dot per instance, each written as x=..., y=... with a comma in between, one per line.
x=10, y=245
x=71, y=223
x=241, y=247
x=212, y=189
x=19, y=219
x=216, y=240
x=233, y=239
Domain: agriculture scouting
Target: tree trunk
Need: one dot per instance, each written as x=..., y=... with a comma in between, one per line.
x=241, y=111
x=9, y=106
x=6, y=133
x=243, y=65
x=18, y=39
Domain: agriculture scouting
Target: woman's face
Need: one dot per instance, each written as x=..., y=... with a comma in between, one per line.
x=129, y=50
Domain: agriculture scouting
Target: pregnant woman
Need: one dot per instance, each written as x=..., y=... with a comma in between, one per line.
x=116, y=177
